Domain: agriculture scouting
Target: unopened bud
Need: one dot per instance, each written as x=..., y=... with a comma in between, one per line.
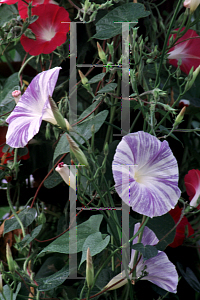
x=11, y=264
x=84, y=79
x=89, y=270
x=63, y=123
x=41, y=219
x=101, y=53
x=180, y=116
x=1, y=284
x=78, y=153
x=17, y=95
x=66, y=175
x=191, y=78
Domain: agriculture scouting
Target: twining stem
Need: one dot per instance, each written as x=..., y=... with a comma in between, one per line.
x=13, y=210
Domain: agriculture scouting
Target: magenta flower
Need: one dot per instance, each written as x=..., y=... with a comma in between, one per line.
x=186, y=48
x=32, y=108
x=192, y=184
x=146, y=174
x=50, y=29
x=160, y=270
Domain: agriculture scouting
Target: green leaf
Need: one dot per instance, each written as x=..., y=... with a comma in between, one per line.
x=27, y=216
x=83, y=230
x=7, y=292
x=84, y=129
x=7, y=13
x=51, y=282
x=29, y=237
x=7, y=102
x=4, y=210
x=97, y=78
x=130, y=12
x=108, y=88
x=96, y=244
x=147, y=251
x=190, y=277
x=161, y=226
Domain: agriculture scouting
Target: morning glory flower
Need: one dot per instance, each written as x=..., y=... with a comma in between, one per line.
x=146, y=174
x=66, y=175
x=192, y=184
x=32, y=108
x=159, y=270
x=186, y=49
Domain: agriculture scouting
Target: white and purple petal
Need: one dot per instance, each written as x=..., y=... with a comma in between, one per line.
x=32, y=108
x=160, y=270
x=146, y=174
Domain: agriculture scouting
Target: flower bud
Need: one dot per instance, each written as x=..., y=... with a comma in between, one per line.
x=66, y=175
x=89, y=269
x=78, y=153
x=191, y=4
x=101, y=53
x=1, y=284
x=41, y=219
x=11, y=264
x=17, y=95
x=48, y=132
x=180, y=116
x=192, y=80
x=63, y=123
x=84, y=79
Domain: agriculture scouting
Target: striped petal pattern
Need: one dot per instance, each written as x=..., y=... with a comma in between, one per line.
x=32, y=108
x=146, y=174
x=160, y=270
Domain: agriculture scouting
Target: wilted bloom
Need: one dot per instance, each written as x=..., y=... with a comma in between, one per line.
x=66, y=175
x=192, y=4
x=32, y=108
x=23, y=7
x=186, y=49
x=184, y=102
x=159, y=270
x=50, y=29
x=146, y=174
x=181, y=228
x=192, y=184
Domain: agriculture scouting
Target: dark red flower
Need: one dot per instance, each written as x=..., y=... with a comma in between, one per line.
x=192, y=184
x=50, y=29
x=181, y=228
x=23, y=7
x=186, y=48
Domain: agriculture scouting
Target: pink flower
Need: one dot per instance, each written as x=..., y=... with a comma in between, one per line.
x=181, y=228
x=192, y=184
x=23, y=7
x=192, y=4
x=50, y=29
x=186, y=48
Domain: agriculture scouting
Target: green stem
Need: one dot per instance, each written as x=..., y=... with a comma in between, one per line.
x=23, y=66
x=166, y=40
x=13, y=210
x=136, y=252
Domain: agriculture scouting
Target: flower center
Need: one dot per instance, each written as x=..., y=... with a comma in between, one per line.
x=48, y=33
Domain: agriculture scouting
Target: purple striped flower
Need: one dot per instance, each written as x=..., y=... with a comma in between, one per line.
x=32, y=108
x=146, y=174
x=159, y=270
